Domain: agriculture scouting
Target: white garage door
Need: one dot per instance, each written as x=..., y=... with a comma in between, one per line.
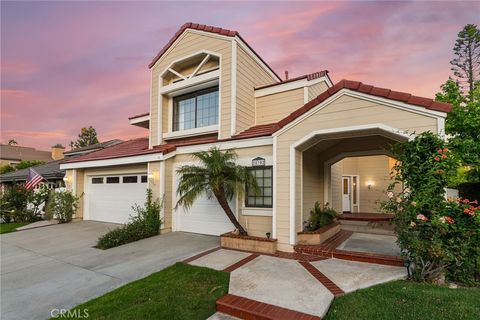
x=111, y=197
x=205, y=216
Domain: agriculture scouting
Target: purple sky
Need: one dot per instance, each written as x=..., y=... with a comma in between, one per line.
x=65, y=65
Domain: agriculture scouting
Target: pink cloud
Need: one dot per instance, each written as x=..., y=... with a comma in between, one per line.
x=69, y=65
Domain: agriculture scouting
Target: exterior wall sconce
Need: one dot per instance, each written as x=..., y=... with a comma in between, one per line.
x=151, y=178
x=370, y=184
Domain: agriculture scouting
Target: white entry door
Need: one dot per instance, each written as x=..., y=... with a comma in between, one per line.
x=346, y=194
x=111, y=197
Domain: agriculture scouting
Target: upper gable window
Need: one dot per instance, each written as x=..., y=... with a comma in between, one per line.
x=196, y=109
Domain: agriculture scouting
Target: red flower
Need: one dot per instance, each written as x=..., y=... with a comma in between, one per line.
x=437, y=159
x=449, y=220
x=439, y=150
x=467, y=211
x=445, y=149
x=466, y=200
x=444, y=156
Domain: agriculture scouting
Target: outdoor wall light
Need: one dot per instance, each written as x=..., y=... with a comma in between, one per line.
x=151, y=177
x=370, y=184
x=66, y=179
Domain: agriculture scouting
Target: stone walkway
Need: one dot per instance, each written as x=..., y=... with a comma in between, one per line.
x=294, y=287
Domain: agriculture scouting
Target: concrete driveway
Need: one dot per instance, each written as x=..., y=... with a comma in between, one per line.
x=55, y=267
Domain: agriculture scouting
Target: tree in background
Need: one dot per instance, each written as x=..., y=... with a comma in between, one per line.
x=12, y=142
x=19, y=166
x=466, y=64
x=86, y=137
x=463, y=122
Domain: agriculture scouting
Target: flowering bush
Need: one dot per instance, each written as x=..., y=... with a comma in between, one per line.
x=439, y=236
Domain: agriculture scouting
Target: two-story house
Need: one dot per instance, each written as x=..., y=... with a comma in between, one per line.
x=306, y=139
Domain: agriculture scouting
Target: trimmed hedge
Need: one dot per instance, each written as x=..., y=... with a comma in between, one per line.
x=145, y=224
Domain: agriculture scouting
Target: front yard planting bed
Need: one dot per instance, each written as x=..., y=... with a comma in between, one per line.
x=11, y=227
x=407, y=300
x=181, y=291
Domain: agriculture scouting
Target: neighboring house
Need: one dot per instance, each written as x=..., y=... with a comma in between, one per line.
x=12, y=155
x=51, y=170
x=306, y=139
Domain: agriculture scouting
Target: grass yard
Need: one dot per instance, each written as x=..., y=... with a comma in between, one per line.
x=181, y=291
x=407, y=300
x=10, y=227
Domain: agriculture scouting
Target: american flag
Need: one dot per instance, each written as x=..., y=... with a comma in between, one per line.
x=33, y=178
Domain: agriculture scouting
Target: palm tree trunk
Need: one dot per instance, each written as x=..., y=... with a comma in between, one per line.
x=220, y=195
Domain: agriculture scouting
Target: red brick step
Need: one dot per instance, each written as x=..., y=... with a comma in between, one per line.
x=248, y=309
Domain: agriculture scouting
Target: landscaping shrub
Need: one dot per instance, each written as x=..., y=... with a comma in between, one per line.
x=320, y=216
x=61, y=206
x=19, y=204
x=439, y=236
x=469, y=190
x=146, y=223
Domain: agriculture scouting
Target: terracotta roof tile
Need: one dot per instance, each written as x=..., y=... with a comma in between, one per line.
x=140, y=146
x=139, y=115
x=269, y=129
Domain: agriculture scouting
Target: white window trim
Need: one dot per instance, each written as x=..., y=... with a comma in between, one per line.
x=175, y=88
x=191, y=132
x=253, y=211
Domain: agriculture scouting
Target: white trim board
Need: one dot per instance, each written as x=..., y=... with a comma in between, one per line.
x=233, y=92
x=277, y=88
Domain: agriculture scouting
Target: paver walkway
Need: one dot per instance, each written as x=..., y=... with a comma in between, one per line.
x=294, y=284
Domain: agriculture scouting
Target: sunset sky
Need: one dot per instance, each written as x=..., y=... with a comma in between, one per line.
x=66, y=65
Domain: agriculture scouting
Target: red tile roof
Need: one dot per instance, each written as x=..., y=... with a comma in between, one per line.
x=268, y=129
x=139, y=115
x=140, y=146
x=211, y=29
x=309, y=77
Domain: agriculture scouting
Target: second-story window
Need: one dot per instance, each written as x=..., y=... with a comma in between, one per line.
x=195, y=110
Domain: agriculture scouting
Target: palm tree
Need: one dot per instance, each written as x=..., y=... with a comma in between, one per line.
x=219, y=176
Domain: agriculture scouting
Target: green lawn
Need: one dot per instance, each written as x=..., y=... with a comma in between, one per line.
x=407, y=300
x=10, y=227
x=181, y=291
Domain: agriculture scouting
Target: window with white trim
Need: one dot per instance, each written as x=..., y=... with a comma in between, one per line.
x=195, y=110
x=264, y=179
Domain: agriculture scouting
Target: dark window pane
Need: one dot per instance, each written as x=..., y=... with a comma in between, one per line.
x=195, y=110
x=144, y=179
x=113, y=179
x=130, y=179
x=97, y=180
x=264, y=180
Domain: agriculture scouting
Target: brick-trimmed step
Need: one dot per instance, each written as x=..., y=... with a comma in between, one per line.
x=351, y=255
x=248, y=309
x=201, y=254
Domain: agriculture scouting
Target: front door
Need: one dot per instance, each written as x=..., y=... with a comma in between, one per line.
x=346, y=194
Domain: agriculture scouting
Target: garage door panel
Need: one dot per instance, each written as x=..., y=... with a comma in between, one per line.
x=205, y=216
x=112, y=202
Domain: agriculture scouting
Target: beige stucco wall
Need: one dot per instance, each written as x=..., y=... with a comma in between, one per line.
x=189, y=43
x=274, y=107
x=249, y=75
x=345, y=111
x=316, y=89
